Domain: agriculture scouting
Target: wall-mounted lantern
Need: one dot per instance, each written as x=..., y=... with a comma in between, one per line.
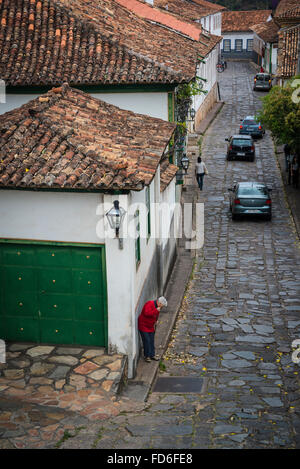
x=185, y=162
x=192, y=114
x=115, y=218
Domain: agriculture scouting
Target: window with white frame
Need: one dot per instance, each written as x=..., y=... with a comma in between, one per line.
x=227, y=45
x=249, y=45
x=239, y=45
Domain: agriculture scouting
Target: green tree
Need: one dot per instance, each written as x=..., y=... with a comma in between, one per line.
x=280, y=113
x=247, y=4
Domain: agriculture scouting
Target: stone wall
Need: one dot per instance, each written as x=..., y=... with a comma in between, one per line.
x=211, y=98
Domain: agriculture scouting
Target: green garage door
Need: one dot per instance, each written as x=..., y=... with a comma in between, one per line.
x=53, y=294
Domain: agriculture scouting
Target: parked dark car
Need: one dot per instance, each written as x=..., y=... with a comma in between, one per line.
x=250, y=198
x=250, y=126
x=262, y=81
x=240, y=147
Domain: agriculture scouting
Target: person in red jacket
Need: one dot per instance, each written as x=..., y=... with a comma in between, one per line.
x=146, y=325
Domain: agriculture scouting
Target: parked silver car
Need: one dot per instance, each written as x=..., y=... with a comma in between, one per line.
x=250, y=198
x=262, y=81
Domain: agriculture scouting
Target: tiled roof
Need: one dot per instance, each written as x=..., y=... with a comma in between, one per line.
x=242, y=20
x=176, y=17
x=287, y=16
x=288, y=51
x=67, y=139
x=148, y=12
x=285, y=5
x=267, y=31
x=167, y=173
x=193, y=10
x=49, y=42
x=290, y=14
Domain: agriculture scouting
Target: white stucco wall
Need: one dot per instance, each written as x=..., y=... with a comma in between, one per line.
x=80, y=218
x=151, y=104
x=274, y=59
x=209, y=72
x=50, y=216
x=120, y=290
x=168, y=199
x=15, y=100
x=239, y=35
x=125, y=278
x=212, y=23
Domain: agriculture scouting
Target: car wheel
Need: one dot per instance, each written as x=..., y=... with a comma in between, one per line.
x=252, y=158
x=228, y=158
x=233, y=216
x=269, y=217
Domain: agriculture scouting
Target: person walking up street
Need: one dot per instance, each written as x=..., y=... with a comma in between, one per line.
x=146, y=325
x=295, y=172
x=200, y=170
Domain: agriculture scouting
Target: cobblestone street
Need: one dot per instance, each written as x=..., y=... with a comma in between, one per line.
x=239, y=318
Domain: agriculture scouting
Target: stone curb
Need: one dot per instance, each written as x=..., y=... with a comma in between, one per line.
x=146, y=372
x=293, y=202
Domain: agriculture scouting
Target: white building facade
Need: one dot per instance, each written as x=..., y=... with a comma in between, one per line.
x=134, y=274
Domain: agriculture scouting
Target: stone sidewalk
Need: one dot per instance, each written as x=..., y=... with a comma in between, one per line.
x=44, y=388
x=292, y=194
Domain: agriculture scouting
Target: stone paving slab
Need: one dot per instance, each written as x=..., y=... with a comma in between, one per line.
x=49, y=391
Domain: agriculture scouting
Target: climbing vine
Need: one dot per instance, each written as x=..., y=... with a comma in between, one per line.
x=183, y=102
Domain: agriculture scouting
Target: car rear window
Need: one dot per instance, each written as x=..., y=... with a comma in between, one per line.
x=263, y=77
x=253, y=190
x=241, y=142
x=249, y=122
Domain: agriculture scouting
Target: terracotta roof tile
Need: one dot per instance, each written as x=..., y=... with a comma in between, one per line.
x=243, y=20
x=67, y=139
x=288, y=51
x=167, y=173
x=285, y=5
x=189, y=9
x=81, y=42
x=287, y=16
x=267, y=31
x=148, y=12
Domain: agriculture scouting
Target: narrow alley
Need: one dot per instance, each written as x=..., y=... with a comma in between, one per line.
x=238, y=320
